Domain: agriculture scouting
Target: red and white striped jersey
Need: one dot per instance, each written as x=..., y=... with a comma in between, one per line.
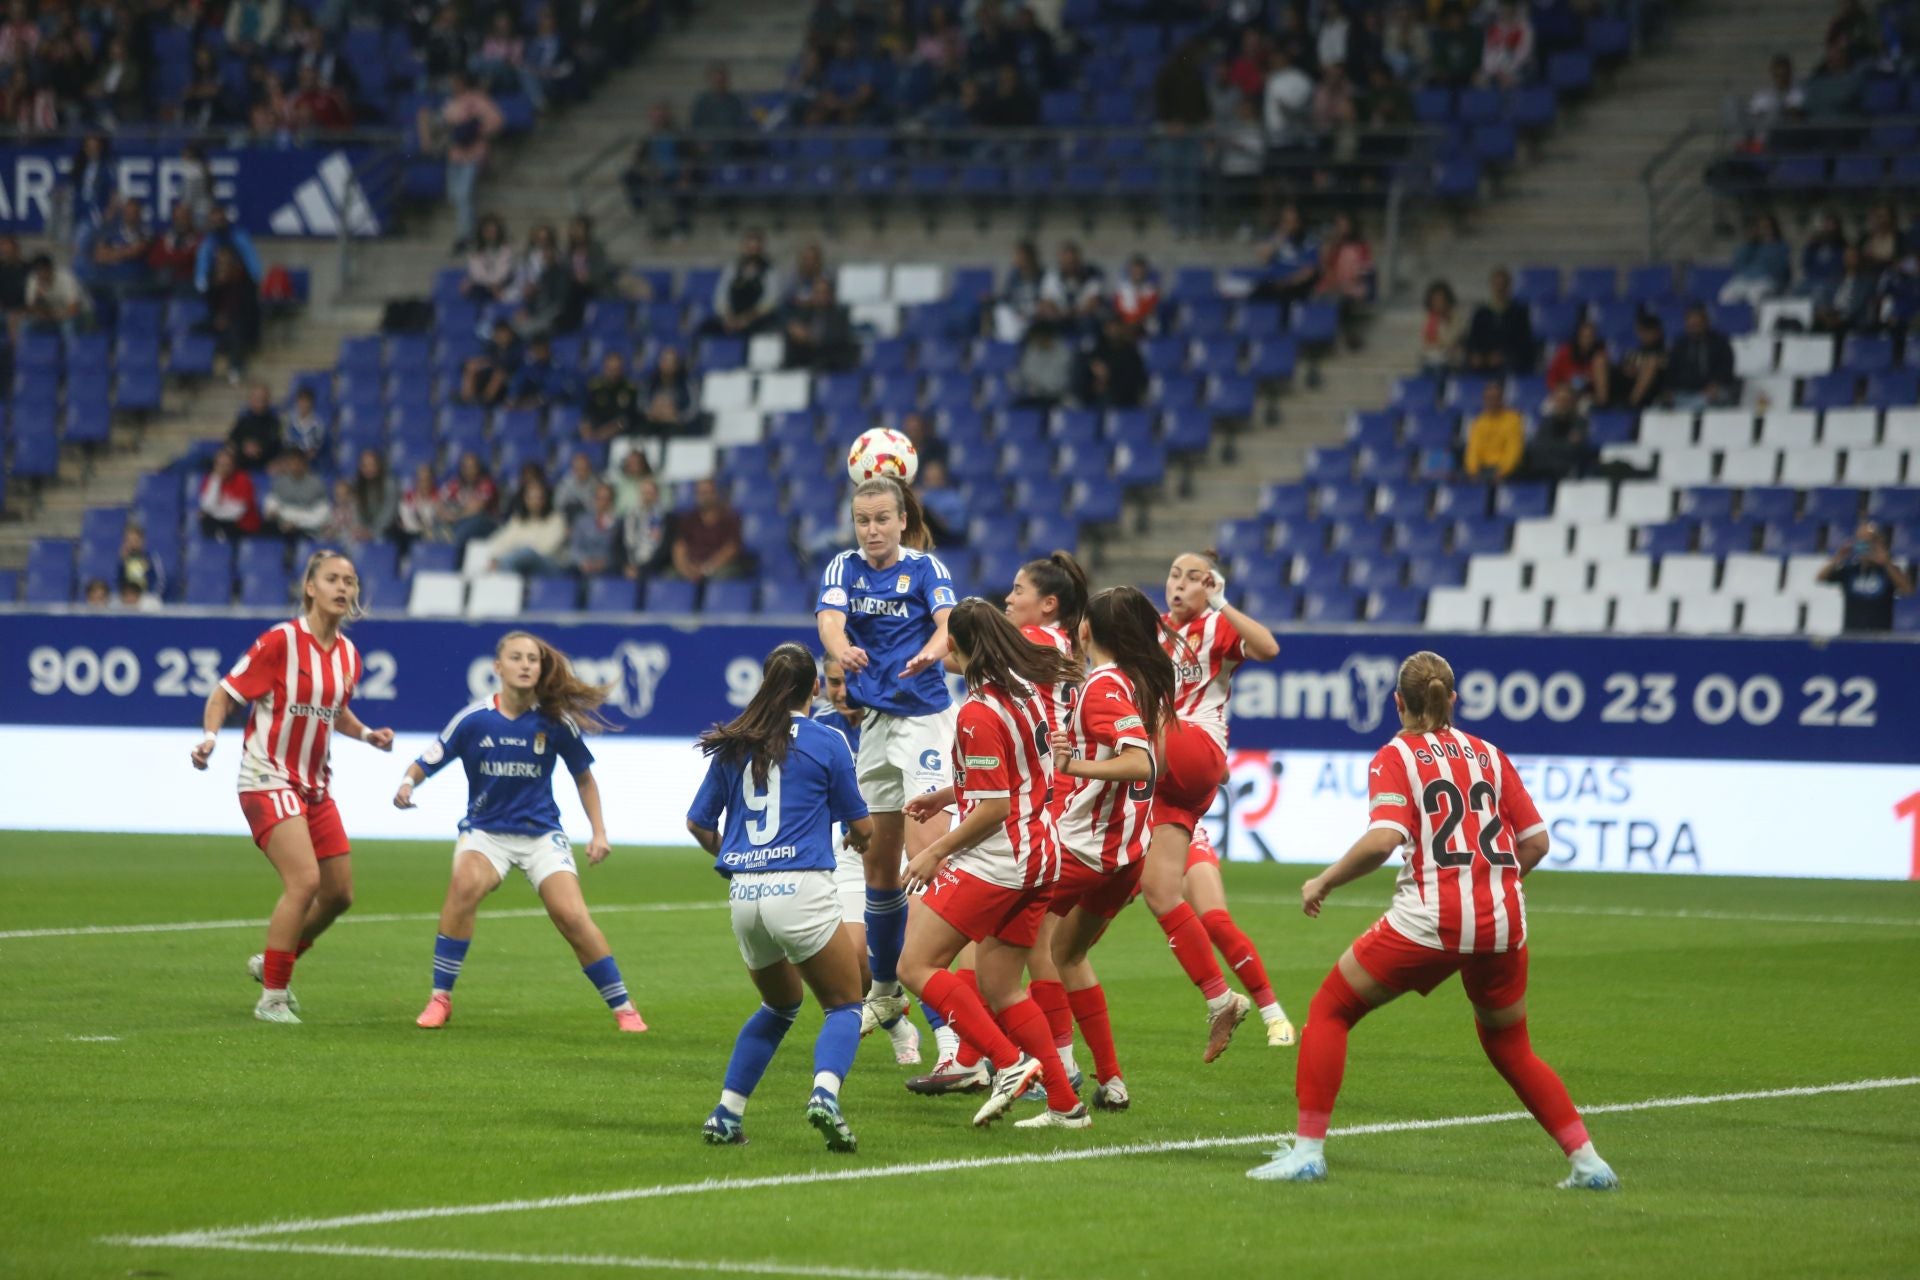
x=1056, y=700
x=1106, y=823
x=297, y=690
x=1205, y=651
x=1462, y=811
x=1000, y=750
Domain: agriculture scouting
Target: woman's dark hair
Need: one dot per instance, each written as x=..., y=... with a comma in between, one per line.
x=998, y=654
x=757, y=738
x=1442, y=288
x=1060, y=576
x=1126, y=626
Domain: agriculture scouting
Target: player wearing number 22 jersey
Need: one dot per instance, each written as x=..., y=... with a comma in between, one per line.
x=1469, y=831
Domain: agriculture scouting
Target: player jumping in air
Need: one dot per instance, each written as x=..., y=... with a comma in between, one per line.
x=1471, y=833
x=299, y=677
x=510, y=744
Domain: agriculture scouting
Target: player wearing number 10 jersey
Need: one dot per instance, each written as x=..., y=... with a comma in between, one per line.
x=1470, y=832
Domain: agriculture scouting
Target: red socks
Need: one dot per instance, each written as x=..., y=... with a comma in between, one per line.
x=1194, y=950
x=1090, y=1011
x=1027, y=1027
x=277, y=970
x=1052, y=999
x=968, y=1053
x=1323, y=1051
x=1241, y=957
x=960, y=1004
x=305, y=946
x=1510, y=1050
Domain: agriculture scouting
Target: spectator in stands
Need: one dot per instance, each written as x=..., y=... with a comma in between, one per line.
x=448, y=45
x=549, y=60
x=233, y=313
x=1832, y=92
x=809, y=269
x=343, y=520
x=945, y=507
x=465, y=127
x=706, y=540
x=542, y=287
x=228, y=507
x=485, y=377
x=1044, y=374
x=612, y=401
x=748, y=294
x=139, y=574
x=668, y=395
x=1847, y=303
x=174, y=252
x=819, y=335
x=1559, y=449
x=501, y=63
x=593, y=540
x=532, y=539
x=96, y=595
x=305, y=427
x=13, y=277
x=120, y=249
x=1700, y=365
x=1240, y=155
x=1881, y=245
x=1336, y=112
x=1113, y=375
x=927, y=446
x=116, y=88
x=530, y=473
x=1780, y=101
x=376, y=496
x=1288, y=103
x=491, y=263
x=470, y=500
x=659, y=180
x=1290, y=260
x=1441, y=329
x=316, y=104
x=1019, y=298
x=1137, y=296
x=590, y=274
x=718, y=109
x=256, y=434
x=1454, y=49
x=1506, y=54
x=1346, y=274
x=251, y=24
x=1182, y=108
x=92, y=178
x=1643, y=370
x=1853, y=28
x=55, y=300
x=643, y=528
x=1403, y=45
x=296, y=504
x=423, y=515
x=539, y=382
x=1007, y=103
x=223, y=234
x=1074, y=292
x=1500, y=338
x=196, y=184
x=1496, y=438
x=574, y=492
x=1762, y=265
x=1820, y=255
x=1580, y=367
x=1866, y=570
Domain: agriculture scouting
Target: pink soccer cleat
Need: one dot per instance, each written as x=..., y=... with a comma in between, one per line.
x=629, y=1019
x=435, y=1015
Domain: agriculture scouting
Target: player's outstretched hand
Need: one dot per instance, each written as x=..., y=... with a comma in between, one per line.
x=380, y=739
x=922, y=870
x=597, y=850
x=924, y=807
x=855, y=658
x=202, y=753
x=857, y=840
x=1062, y=750
x=921, y=661
x=403, y=798
x=1312, y=894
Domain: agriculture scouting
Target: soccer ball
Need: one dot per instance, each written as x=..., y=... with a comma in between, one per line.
x=883, y=452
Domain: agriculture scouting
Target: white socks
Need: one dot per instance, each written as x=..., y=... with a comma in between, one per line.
x=828, y=1081
x=1310, y=1146
x=880, y=990
x=948, y=1042
x=734, y=1102
x=1066, y=1060
x=1585, y=1159
x=1219, y=1002
x=1272, y=1012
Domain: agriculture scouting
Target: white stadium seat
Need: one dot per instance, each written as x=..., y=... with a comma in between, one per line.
x=1517, y=613
x=1558, y=575
x=1901, y=429
x=1581, y=612
x=687, y=460
x=1602, y=541
x=1644, y=456
x=1824, y=613
x=1688, y=574
x=1533, y=538
x=1667, y=426
x=1788, y=428
x=1724, y=428
x=1493, y=575
x=496, y=595
x=1774, y=310
x=1704, y=615
x=1455, y=609
x=766, y=352
x=1743, y=467
x=1643, y=614
x=1626, y=576
x=1643, y=502
x=725, y=391
x=1683, y=467
x=882, y=318
x=1746, y=574
x=916, y=283
x=1752, y=354
x=1773, y=615
x=861, y=282
x=1803, y=577
x=1876, y=468
x=1805, y=355
x=1582, y=501
x=1850, y=428
x=437, y=595
x=1806, y=468
x=738, y=426
x=784, y=392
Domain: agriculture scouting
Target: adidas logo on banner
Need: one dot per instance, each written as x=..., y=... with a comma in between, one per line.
x=326, y=202
x=486, y=744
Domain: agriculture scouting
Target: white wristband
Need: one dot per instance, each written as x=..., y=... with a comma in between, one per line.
x=209, y=739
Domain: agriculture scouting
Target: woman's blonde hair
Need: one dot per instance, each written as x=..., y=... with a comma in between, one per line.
x=559, y=692
x=355, y=611
x=1426, y=692
x=914, y=533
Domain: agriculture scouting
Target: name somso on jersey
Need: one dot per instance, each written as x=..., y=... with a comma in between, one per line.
x=1001, y=749
x=1106, y=823
x=1462, y=810
x=1206, y=651
x=297, y=689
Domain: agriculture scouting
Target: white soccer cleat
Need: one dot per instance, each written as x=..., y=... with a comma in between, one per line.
x=1292, y=1164
x=1051, y=1119
x=1591, y=1176
x=1279, y=1034
x=1111, y=1095
x=879, y=1010
x=257, y=970
x=950, y=1077
x=1007, y=1086
x=906, y=1042
x=275, y=1008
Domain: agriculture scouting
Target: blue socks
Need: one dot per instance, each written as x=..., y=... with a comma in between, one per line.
x=754, y=1049
x=886, y=933
x=448, y=955
x=604, y=974
x=834, y=1049
x=934, y=1019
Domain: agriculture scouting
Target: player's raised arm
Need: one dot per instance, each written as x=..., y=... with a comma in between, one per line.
x=350, y=724
x=1366, y=856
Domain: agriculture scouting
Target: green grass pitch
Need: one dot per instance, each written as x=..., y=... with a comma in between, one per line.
x=139, y=1099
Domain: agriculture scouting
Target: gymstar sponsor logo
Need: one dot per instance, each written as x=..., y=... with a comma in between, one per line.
x=327, y=203
x=1359, y=693
x=983, y=762
x=1389, y=798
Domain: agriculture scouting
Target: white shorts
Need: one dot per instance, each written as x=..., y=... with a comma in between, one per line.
x=783, y=915
x=902, y=756
x=850, y=882
x=537, y=856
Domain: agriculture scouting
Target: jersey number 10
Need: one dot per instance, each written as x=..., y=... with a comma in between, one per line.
x=1481, y=796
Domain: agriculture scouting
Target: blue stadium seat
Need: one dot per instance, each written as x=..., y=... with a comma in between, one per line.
x=1759, y=503
x=50, y=571
x=737, y=596
x=1833, y=505
x=669, y=595
x=1377, y=572
x=1480, y=537
x=1671, y=537
x=1404, y=607
x=1334, y=605
x=1728, y=537
x=552, y=593
x=1895, y=506
x=1300, y=535
x=611, y=593
x=1707, y=503
x=1270, y=604
x=1285, y=500
x=1435, y=568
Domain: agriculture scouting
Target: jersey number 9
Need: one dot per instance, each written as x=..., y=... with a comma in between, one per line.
x=763, y=828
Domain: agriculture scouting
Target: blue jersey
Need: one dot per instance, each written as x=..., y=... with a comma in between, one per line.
x=509, y=764
x=890, y=615
x=786, y=825
x=848, y=729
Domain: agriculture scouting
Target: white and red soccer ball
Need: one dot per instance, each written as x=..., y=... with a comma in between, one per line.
x=883, y=452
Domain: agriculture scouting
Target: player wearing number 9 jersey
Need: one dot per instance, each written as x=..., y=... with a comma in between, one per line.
x=1470, y=832
x=299, y=677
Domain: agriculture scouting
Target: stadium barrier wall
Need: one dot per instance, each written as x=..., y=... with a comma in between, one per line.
x=1710, y=756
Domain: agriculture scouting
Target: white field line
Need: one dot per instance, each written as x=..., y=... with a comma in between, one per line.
x=400, y=917
x=613, y=1261
x=221, y=1236
x=1628, y=913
